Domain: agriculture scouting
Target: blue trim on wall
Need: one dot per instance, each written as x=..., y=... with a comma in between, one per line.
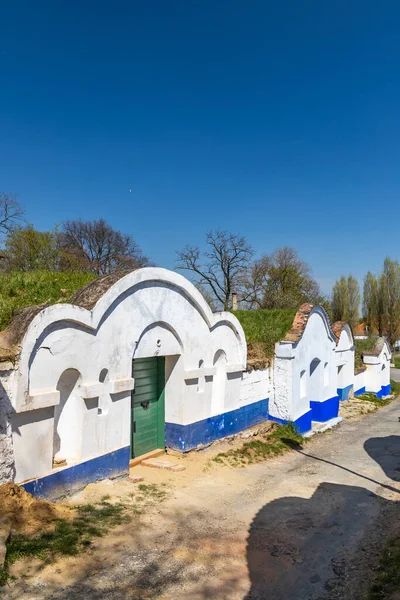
x=344, y=393
x=326, y=410
x=384, y=391
x=62, y=482
x=302, y=424
x=360, y=391
x=188, y=437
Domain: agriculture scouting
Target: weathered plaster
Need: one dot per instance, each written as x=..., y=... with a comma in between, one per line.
x=305, y=369
x=72, y=391
x=7, y=467
x=345, y=350
x=377, y=363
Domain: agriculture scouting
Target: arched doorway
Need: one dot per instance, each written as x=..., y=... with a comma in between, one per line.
x=148, y=405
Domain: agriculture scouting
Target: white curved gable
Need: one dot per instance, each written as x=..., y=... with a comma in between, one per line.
x=346, y=341
x=149, y=312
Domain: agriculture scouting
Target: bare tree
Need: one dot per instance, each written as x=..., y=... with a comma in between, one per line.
x=97, y=247
x=221, y=267
x=279, y=280
x=11, y=212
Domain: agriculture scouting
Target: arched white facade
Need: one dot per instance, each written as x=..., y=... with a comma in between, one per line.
x=344, y=360
x=71, y=391
x=305, y=371
x=377, y=374
x=151, y=356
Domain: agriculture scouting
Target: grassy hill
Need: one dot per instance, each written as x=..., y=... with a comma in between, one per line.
x=18, y=290
x=263, y=328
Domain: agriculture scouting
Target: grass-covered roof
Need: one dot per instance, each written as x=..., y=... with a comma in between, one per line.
x=363, y=346
x=19, y=290
x=263, y=329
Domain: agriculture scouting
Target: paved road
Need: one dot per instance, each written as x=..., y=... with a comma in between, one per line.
x=306, y=526
x=395, y=374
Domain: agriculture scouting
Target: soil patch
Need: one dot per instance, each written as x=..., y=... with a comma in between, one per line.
x=27, y=514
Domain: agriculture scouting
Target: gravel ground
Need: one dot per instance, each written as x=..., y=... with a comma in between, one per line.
x=306, y=526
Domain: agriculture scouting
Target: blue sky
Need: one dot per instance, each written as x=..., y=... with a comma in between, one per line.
x=279, y=121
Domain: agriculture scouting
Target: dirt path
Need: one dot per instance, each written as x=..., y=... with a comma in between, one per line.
x=304, y=526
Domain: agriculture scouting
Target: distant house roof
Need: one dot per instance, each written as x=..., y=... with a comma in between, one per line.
x=362, y=329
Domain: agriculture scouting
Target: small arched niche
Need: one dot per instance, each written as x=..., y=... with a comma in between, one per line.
x=219, y=383
x=303, y=384
x=316, y=379
x=201, y=380
x=68, y=419
x=326, y=374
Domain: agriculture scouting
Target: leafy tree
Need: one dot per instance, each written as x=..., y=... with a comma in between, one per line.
x=370, y=300
x=340, y=300
x=279, y=280
x=354, y=300
x=390, y=290
x=381, y=302
x=221, y=267
x=346, y=300
x=97, y=247
x=27, y=249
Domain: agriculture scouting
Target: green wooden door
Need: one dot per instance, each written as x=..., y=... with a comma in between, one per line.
x=148, y=414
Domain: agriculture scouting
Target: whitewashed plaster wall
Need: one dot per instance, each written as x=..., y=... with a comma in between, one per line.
x=377, y=375
x=150, y=312
x=345, y=358
x=359, y=381
x=7, y=468
x=296, y=382
x=256, y=385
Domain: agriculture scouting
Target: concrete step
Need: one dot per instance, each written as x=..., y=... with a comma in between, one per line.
x=138, y=459
x=318, y=427
x=162, y=464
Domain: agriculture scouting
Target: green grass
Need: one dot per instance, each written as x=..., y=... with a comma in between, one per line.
x=387, y=578
x=265, y=327
x=69, y=537
x=396, y=361
x=369, y=397
x=271, y=444
x=395, y=387
x=361, y=347
x=18, y=290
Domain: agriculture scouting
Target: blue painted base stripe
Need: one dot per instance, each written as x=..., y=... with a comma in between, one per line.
x=188, y=437
x=326, y=410
x=344, y=393
x=384, y=391
x=360, y=391
x=66, y=480
x=302, y=424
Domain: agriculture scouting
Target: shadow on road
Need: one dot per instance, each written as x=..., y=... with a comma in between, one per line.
x=300, y=548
